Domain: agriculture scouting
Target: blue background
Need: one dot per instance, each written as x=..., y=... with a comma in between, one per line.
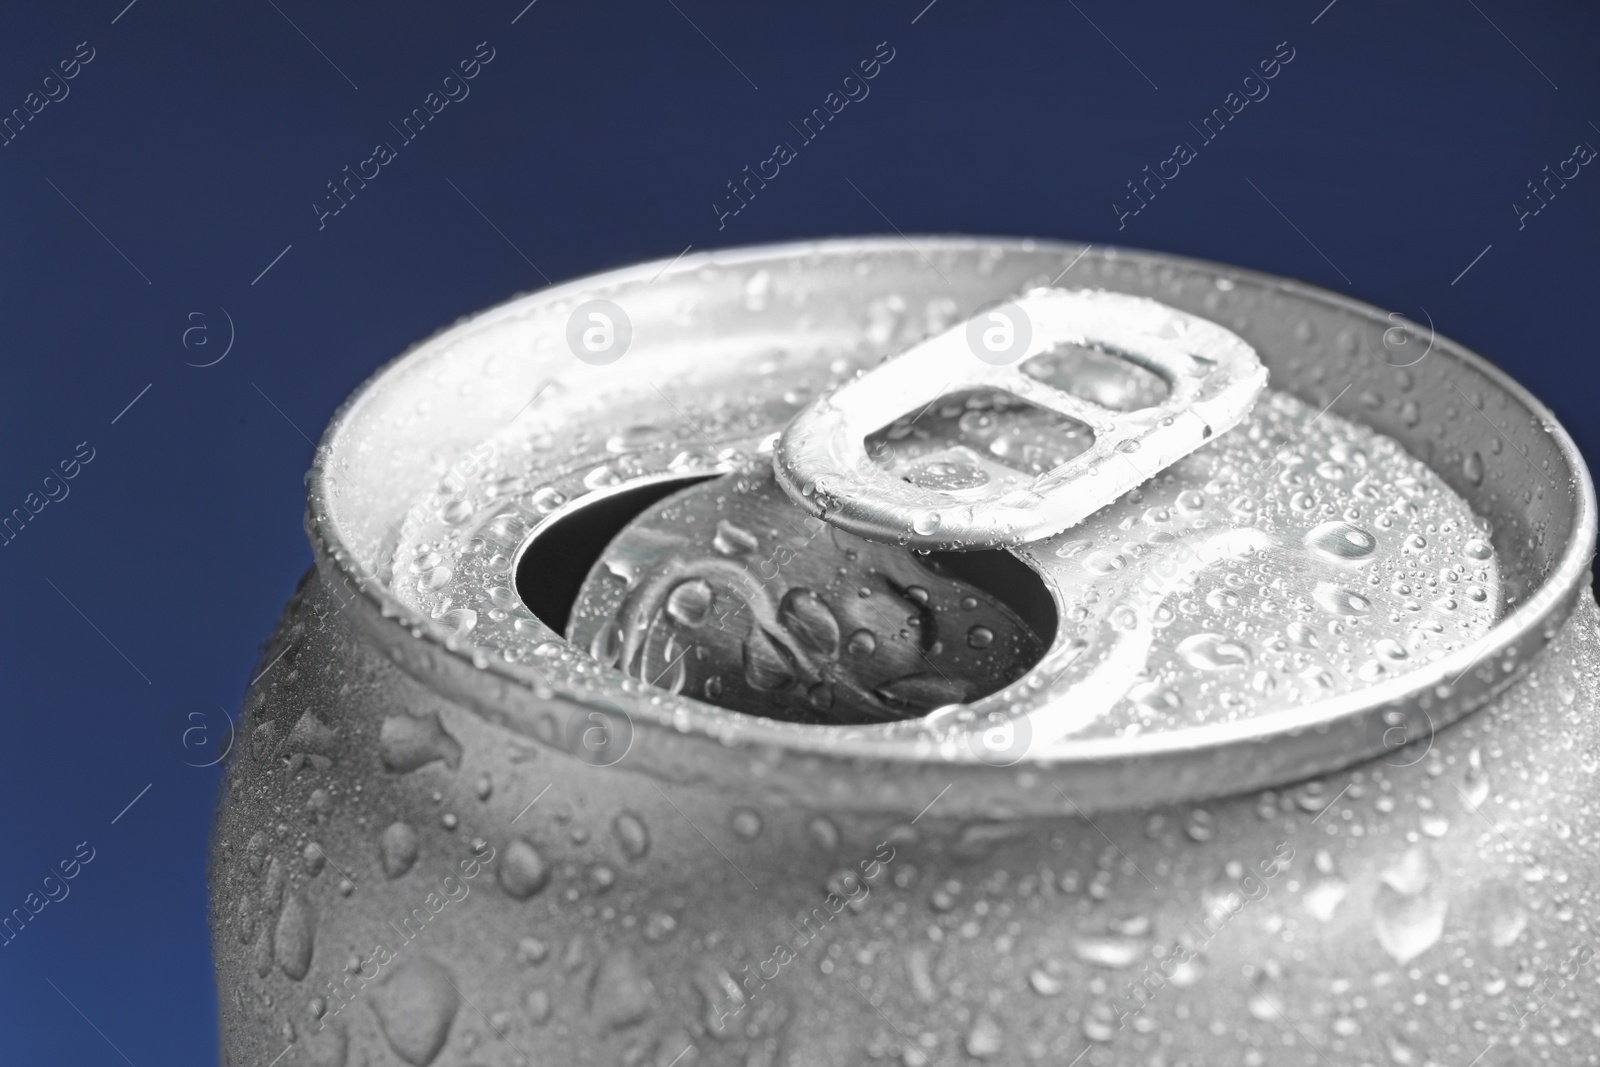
x=190, y=150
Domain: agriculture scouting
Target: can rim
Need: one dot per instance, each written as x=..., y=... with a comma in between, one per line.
x=1437, y=684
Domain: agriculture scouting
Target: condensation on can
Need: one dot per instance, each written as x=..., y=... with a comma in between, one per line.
x=450, y=837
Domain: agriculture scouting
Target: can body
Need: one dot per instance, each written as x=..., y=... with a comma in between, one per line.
x=404, y=870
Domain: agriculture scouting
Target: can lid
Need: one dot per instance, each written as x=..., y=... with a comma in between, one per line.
x=1212, y=376
x=722, y=341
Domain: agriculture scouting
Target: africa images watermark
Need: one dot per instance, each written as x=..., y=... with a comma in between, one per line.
x=55, y=489
x=53, y=89
x=1565, y=972
x=744, y=993
x=800, y=534
x=1138, y=992
x=1210, y=128
x=454, y=88
x=55, y=890
x=1582, y=154
x=411, y=926
x=855, y=89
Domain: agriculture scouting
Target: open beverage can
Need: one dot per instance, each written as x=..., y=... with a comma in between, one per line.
x=926, y=652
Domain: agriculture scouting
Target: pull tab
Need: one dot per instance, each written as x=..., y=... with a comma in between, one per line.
x=1213, y=378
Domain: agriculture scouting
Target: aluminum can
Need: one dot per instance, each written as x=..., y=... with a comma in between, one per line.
x=1284, y=755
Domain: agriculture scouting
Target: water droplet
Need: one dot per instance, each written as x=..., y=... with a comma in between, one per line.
x=1472, y=468
x=1331, y=471
x=767, y=665
x=295, y=936
x=1044, y=983
x=824, y=833
x=1390, y=649
x=1340, y=601
x=746, y=823
x=1213, y=652
x=1155, y=698
x=407, y=742
x=522, y=872
x=457, y=512
x=1100, y=1023
x=632, y=835
x=1324, y=898
x=862, y=643
x=634, y=438
x=948, y=476
x=1113, y=953
x=1223, y=599
x=731, y=540
x=922, y=692
x=415, y=1006
x=539, y=1007
x=985, y=1038
x=1265, y=1004
x=1105, y=562
x=606, y=646
x=620, y=994
x=255, y=851
x=1477, y=548
x=398, y=847
x=980, y=637
x=808, y=617
x=458, y=622
x=1408, y=915
x=546, y=500
x=690, y=602
x=602, y=477
x=261, y=953
x=925, y=523
x=1400, y=1053
x=1072, y=549
x=658, y=926
x=531, y=951
x=1341, y=541
x=1475, y=787
x=756, y=289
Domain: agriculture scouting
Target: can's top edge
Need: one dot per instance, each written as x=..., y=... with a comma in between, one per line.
x=1519, y=630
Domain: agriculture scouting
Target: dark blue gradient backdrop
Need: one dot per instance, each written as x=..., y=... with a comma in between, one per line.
x=169, y=197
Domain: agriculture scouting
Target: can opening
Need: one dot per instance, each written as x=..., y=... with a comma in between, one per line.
x=730, y=593
x=1007, y=579
x=553, y=565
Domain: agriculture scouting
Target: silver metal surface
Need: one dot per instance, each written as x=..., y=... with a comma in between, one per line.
x=828, y=310
x=449, y=845
x=1213, y=378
